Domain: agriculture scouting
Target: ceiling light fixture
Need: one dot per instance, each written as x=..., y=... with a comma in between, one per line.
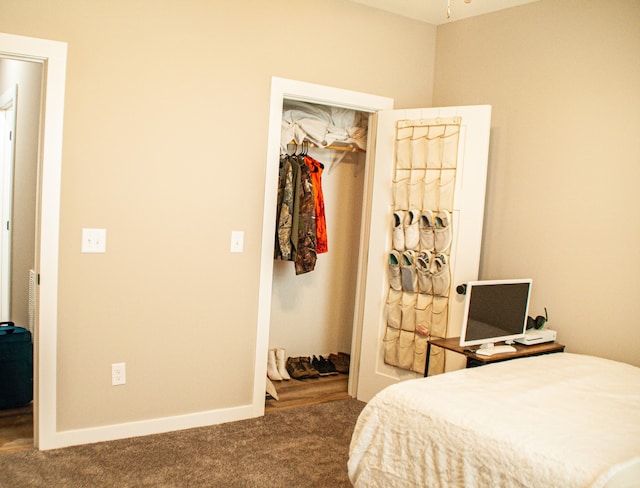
x=449, y=7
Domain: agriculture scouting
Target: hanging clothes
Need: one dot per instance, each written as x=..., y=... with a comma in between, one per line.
x=288, y=207
x=306, y=255
x=316, y=168
x=301, y=227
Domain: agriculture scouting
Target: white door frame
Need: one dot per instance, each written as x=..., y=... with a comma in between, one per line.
x=53, y=56
x=8, y=101
x=293, y=90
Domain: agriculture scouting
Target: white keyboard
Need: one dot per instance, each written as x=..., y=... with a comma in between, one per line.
x=490, y=351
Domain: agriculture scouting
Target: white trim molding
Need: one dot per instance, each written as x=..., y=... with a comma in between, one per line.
x=53, y=56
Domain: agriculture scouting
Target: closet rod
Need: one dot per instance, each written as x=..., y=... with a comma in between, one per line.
x=335, y=147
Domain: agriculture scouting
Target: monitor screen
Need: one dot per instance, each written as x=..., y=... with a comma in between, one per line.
x=495, y=311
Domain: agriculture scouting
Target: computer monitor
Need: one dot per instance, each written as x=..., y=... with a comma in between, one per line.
x=495, y=310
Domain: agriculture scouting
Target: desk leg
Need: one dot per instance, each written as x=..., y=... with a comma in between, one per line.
x=426, y=361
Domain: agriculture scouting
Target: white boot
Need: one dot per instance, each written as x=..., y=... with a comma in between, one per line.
x=271, y=390
x=281, y=364
x=272, y=368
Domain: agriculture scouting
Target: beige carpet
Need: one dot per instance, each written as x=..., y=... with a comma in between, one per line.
x=301, y=447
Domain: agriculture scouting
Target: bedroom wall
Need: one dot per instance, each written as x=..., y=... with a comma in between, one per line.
x=562, y=200
x=165, y=132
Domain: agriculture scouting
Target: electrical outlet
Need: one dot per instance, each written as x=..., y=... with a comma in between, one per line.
x=118, y=374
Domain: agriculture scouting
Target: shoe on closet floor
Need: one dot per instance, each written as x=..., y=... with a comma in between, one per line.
x=300, y=368
x=324, y=367
x=340, y=362
x=295, y=369
x=272, y=368
x=305, y=362
x=271, y=390
x=330, y=366
x=281, y=364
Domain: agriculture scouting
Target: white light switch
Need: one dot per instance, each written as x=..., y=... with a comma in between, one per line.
x=94, y=240
x=237, y=240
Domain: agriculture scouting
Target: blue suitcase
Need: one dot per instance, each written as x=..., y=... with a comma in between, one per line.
x=16, y=366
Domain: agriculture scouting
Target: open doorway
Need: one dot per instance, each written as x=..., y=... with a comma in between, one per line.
x=51, y=56
x=315, y=272
x=20, y=127
x=282, y=90
x=20, y=123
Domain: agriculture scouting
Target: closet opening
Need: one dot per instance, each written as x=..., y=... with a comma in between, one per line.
x=313, y=298
x=339, y=326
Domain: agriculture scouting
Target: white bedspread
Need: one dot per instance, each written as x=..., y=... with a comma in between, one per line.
x=559, y=420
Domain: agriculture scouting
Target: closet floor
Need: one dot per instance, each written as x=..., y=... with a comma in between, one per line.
x=298, y=393
x=16, y=429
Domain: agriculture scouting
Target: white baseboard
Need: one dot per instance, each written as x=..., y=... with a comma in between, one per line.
x=147, y=427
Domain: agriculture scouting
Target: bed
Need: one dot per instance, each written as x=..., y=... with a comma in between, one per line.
x=558, y=420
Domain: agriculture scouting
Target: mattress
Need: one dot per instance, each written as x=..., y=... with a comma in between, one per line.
x=563, y=420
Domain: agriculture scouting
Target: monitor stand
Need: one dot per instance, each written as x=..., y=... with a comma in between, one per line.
x=491, y=349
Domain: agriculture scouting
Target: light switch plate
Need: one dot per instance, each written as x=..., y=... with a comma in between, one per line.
x=237, y=240
x=94, y=240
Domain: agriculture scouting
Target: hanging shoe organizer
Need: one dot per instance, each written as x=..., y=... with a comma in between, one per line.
x=426, y=155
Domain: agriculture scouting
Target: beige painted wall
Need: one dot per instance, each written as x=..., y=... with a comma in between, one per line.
x=166, y=115
x=28, y=77
x=562, y=200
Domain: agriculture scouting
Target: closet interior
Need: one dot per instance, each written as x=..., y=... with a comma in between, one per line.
x=323, y=149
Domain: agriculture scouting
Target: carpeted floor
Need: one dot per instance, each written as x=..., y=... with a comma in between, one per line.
x=301, y=447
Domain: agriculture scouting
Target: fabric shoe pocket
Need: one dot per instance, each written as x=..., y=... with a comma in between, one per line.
x=394, y=310
x=412, y=230
x=425, y=227
x=403, y=147
x=424, y=304
x=419, y=147
x=406, y=349
x=409, y=311
x=408, y=271
x=435, y=146
x=395, y=280
x=420, y=354
x=446, y=189
x=450, y=146
x=441, y=279
x=439, y=317
x=430, y=190
x=398, y=230
x=401, y=191
x=391, y=338
x=436, y=360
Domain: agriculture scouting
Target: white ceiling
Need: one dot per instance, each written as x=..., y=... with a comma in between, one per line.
x=435, y=11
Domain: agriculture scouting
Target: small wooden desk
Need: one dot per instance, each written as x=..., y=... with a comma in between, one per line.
x=474, y=360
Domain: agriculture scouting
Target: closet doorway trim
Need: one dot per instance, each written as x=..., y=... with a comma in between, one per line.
x=53, y=56
x=282, y=89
